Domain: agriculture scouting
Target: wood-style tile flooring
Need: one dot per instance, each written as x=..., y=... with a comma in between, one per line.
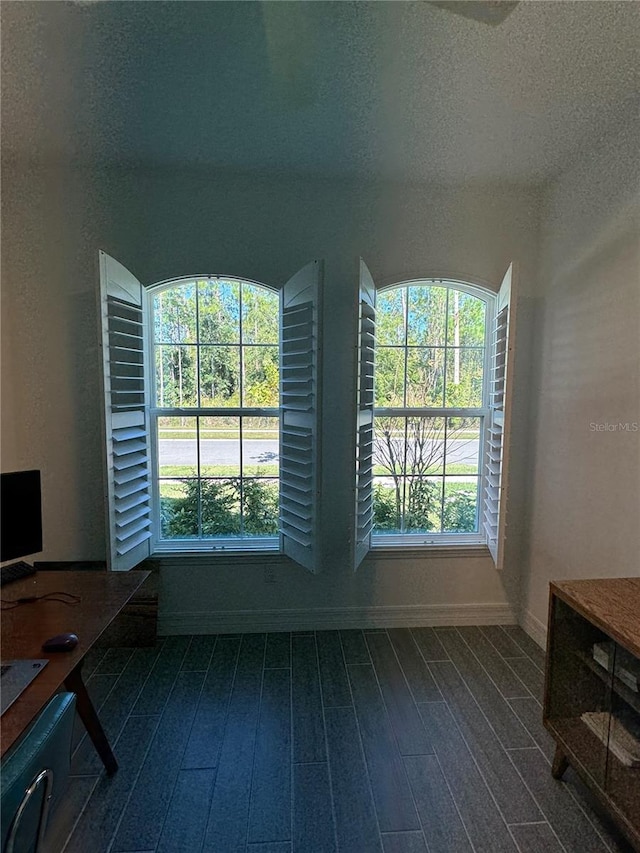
x=423, y=740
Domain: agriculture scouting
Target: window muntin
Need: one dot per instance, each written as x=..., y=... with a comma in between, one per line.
x=214, y=407
x=430, y=408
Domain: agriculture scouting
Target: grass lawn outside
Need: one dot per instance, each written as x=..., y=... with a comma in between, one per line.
x=190, y=434
x=190, y=472
x=458, y=468
x=186, y=433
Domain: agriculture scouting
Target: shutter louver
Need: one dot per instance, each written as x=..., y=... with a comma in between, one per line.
x=126, y=417
x=365, y=399
x=299, y=446
x=126, y=360
x=499, y=419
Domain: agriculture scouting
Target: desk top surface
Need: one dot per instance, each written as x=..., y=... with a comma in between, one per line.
x=25, y=628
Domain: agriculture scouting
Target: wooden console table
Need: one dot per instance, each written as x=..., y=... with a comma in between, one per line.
x=592, y=690
x=25, y=628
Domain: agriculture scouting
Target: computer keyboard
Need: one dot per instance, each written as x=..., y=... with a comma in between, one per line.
x=15, y=572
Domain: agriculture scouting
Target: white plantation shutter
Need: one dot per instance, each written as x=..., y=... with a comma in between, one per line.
x=364, y=426
x=499, y=419
x=126, y=417
x=299, y=434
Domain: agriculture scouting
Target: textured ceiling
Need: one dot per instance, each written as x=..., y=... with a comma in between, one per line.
x=390, y=89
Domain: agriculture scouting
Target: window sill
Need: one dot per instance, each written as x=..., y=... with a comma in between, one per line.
x=271, y=556
x=185, y=559
x=412, y=551
x=167, y=547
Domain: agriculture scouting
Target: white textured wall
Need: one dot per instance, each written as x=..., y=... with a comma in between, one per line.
x=164, y=223
x=585, y=498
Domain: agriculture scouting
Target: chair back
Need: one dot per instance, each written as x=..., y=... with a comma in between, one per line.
x=33, y=776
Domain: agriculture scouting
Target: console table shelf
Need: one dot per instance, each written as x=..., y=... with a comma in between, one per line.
x=629, y=696
x=591, y=707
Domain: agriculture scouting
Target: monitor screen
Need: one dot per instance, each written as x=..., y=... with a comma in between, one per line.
x=20, y=515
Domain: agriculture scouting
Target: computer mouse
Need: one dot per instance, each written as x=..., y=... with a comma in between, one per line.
x=60, y=643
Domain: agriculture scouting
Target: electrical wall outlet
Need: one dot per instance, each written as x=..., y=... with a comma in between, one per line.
x=269, y=575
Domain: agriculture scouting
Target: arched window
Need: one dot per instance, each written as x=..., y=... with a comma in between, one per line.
x=433, y=413
x=211, y=387
x=430, y=405
x=215, y=410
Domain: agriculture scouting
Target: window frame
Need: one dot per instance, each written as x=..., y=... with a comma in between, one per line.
x=402, y=543
x=199, y=546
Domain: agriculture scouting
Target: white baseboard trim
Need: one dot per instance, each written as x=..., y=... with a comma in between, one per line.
x=536, y=629
x=327, y=618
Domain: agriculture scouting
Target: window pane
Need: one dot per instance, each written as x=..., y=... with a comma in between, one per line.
x=463, y=446
x=425, y=376
x=260, y=312
x=425, y=446
x=390, y=316
x=423, y=502
x=220, y=376
x=178, y=509
x=261, y=376
x=413, y=447
x=389, y=446
x=260, y=502
x=220, y=507
x=466, y=322
x=177, y=447
x=174, y=315
x=427, y=314
x=465, y=368
x=460, y=504
x=260, y=447
x=220, y=447
x=176, y=376
x=389, y=380
x=219, y=311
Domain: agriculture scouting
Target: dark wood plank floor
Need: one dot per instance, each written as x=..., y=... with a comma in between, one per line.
x=401, y=741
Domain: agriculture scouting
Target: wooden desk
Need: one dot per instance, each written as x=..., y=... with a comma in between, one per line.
x=25, y=628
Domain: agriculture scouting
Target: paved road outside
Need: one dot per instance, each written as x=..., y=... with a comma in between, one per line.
x=223, y=451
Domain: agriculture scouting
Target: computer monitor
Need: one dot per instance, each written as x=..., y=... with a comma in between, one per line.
x=20, y=515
